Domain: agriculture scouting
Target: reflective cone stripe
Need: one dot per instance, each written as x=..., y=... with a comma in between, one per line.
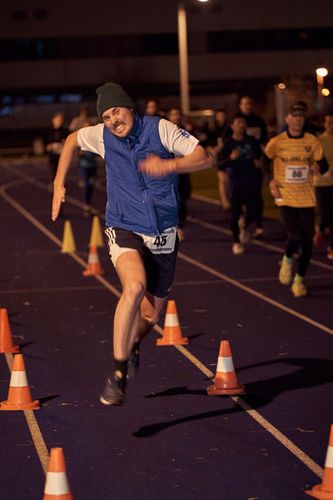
x=328, y=477
x=94, y=268
x=19, y=394
x=171, y=320
x=225, y=381
x=225, y=364
x=6, y=342
x=325, y=489
x=56, y=485
x=172, y=334
x=225, y=372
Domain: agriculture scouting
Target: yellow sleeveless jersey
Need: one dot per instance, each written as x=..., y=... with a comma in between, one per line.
x=292, y=159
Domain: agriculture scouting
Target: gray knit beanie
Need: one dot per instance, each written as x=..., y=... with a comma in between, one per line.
x=110, y=95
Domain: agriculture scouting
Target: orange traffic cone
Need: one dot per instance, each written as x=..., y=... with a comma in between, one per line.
x=172, y=334
x=94, y=267
x=6, y=342
x=325, y=489
x=56, y=485
x=225, y=381
x=19, y=395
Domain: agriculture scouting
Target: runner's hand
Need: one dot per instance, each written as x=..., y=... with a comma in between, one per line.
x=226, y=205
x=315, y=169
x=58, y=198
x=274, y=188
x=156, y=166
x=235, y=153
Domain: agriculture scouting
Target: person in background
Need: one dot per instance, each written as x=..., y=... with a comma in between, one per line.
x=220, y=130
x=152, y=107
x=297, y=157
x=309, y=127
x=257, y=128
x=324, y=189
x=87, y=167
x=238, y=162
x=217, y=135
x=78, y=121
x=174, y=115
x=55, y=141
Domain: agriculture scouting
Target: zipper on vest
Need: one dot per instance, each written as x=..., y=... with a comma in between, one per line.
x=150, y=210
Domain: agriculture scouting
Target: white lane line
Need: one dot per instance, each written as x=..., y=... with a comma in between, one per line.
x=47, y=187
x=256, y=294
x=193, y=220
x=303, y=457
x=194, y=262
x=268, y=246
x=279, y=436
x=268, y=279
x=262, y=421
x=34, y=428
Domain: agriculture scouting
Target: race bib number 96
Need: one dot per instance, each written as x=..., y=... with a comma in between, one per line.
x=297, y=174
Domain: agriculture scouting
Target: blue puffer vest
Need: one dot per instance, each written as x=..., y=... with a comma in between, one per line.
x=136, y=201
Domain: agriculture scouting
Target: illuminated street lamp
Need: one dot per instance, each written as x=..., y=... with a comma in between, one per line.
x=183, y=58
x=321, y=73
x=281, y=102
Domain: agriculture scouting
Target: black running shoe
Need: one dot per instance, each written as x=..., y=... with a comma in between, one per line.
x=133, y=363
x=113, y=392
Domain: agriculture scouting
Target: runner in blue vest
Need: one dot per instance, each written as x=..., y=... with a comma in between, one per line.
x=143, y=155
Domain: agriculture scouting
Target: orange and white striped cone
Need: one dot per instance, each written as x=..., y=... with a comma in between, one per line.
x=172, y=334
x=6, y=342
x=19, y=394
x=94, y=267
x=56, y=485
x=325, y=489
x=225, y=381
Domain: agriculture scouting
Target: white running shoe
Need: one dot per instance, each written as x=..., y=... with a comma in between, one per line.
x=298, y=289
x=285, y=273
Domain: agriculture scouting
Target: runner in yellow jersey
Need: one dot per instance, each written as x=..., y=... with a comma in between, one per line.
x=297, y=157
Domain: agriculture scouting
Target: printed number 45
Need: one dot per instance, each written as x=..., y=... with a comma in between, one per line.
x=160, y=241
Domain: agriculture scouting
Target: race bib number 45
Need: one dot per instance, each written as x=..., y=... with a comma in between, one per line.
x=161, y=243
x=297, y=174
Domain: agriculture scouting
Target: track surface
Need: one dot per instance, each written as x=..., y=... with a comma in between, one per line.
x=170, y=440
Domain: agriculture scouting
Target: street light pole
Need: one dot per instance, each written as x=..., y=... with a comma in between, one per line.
x=321, y=73
x=183, y=59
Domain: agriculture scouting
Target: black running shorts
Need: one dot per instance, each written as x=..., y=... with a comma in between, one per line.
x=160, y=268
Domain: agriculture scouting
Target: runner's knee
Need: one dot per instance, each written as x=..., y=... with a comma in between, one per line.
x=151, y=318
x=134, y=291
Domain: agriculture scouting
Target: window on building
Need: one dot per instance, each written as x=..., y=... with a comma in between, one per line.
x=20, y=15
x=41, y=14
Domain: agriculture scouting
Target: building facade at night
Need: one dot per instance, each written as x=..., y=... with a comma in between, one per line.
x=58, y=52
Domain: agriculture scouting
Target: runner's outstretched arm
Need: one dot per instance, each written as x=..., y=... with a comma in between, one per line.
x=59, y=190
